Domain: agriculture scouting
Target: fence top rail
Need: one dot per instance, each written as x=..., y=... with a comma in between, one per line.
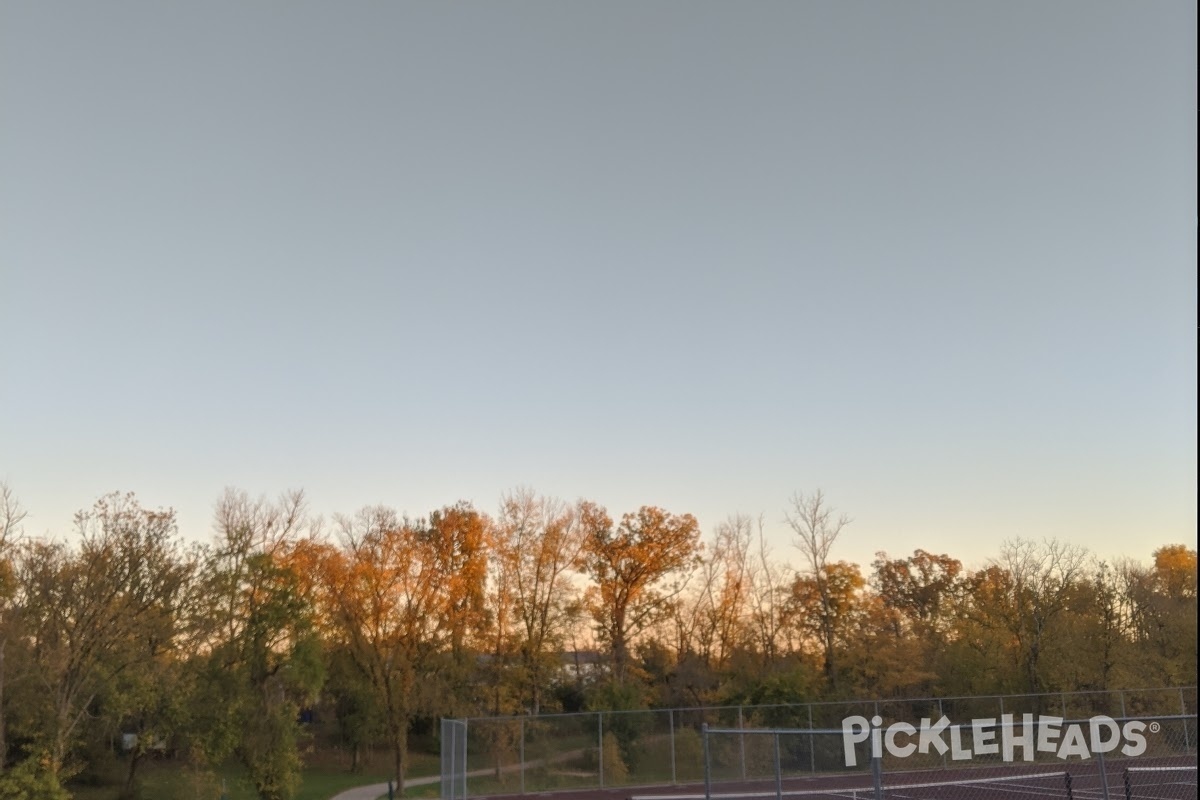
x=991, y=723
x=770, y=731
x=886, y=700
x=834, y=703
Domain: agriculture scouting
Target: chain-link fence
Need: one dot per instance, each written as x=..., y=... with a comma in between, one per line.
x=1030, y=756
x=454, y=759
x=549, y=752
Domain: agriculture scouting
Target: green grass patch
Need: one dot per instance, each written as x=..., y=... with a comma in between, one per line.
x=323, y=777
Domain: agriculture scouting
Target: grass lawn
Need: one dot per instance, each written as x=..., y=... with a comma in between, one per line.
x=425, y=792
x=322, y=779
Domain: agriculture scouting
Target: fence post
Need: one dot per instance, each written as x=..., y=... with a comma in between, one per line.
x=1103, y=774
x=812, y=744
x=522, y=721
x=778, y=771
x=742, y=742
x=707, y=764
x=600, y=746
x=671, y=726
x=1182, y=703
x=466, y=754
x=876, y=764
x=1122, y=696
x=453, y=749
x=942, y=713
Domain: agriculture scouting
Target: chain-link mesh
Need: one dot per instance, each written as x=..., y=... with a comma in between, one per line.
x=1032, y=757
x=1159, y=783
x=526, y=754
x=765, y=755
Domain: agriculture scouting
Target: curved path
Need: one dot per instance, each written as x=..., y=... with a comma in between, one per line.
x=376, y=790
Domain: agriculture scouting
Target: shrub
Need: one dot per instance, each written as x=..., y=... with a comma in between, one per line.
x=31, y=780
x=615, y=770
x=689, y=754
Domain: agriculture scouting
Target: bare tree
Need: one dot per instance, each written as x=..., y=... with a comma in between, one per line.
x=816, y=530
x=1042, y=575
x=539, y=542
x=767, y=581
x=12, y=517
x=249, y=530
x=711, y=622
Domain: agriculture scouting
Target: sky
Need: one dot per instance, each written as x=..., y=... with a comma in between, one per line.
x=936, y=259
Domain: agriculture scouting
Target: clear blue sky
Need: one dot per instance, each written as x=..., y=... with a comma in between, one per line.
x=935, y=258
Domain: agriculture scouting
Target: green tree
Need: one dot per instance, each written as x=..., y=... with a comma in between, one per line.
x=358, y=714
x=262, y=654
x=89, y=613
x=32, y=779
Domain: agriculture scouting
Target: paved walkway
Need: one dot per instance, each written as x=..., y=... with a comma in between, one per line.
x=379, y=789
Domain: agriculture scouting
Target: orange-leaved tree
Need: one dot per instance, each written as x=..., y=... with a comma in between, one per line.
x=630, y=565
x=925, y=588
x=824, y=607
x=399, y=594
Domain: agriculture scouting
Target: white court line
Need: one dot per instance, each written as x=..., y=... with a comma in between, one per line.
x=868, y=792
x=1153, y=772
x=996, y=783
x=1015, y=788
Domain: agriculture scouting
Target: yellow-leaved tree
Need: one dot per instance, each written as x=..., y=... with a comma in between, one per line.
x=632, y=565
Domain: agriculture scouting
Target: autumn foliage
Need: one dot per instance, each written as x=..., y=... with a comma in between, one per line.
x=281, y=629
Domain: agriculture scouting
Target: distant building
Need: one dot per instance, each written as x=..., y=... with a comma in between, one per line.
x=582, y=664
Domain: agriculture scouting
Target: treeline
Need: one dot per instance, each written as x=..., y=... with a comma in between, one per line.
x=379, y=623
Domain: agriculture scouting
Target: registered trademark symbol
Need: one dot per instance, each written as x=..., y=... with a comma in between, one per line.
x=1155, y=727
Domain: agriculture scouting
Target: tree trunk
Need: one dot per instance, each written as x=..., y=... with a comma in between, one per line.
x=134, y=758
x=827, y=634
x=399, y=746
x=618, y=645
x=1034, y=677
x=535, y=698
x=3, y=732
